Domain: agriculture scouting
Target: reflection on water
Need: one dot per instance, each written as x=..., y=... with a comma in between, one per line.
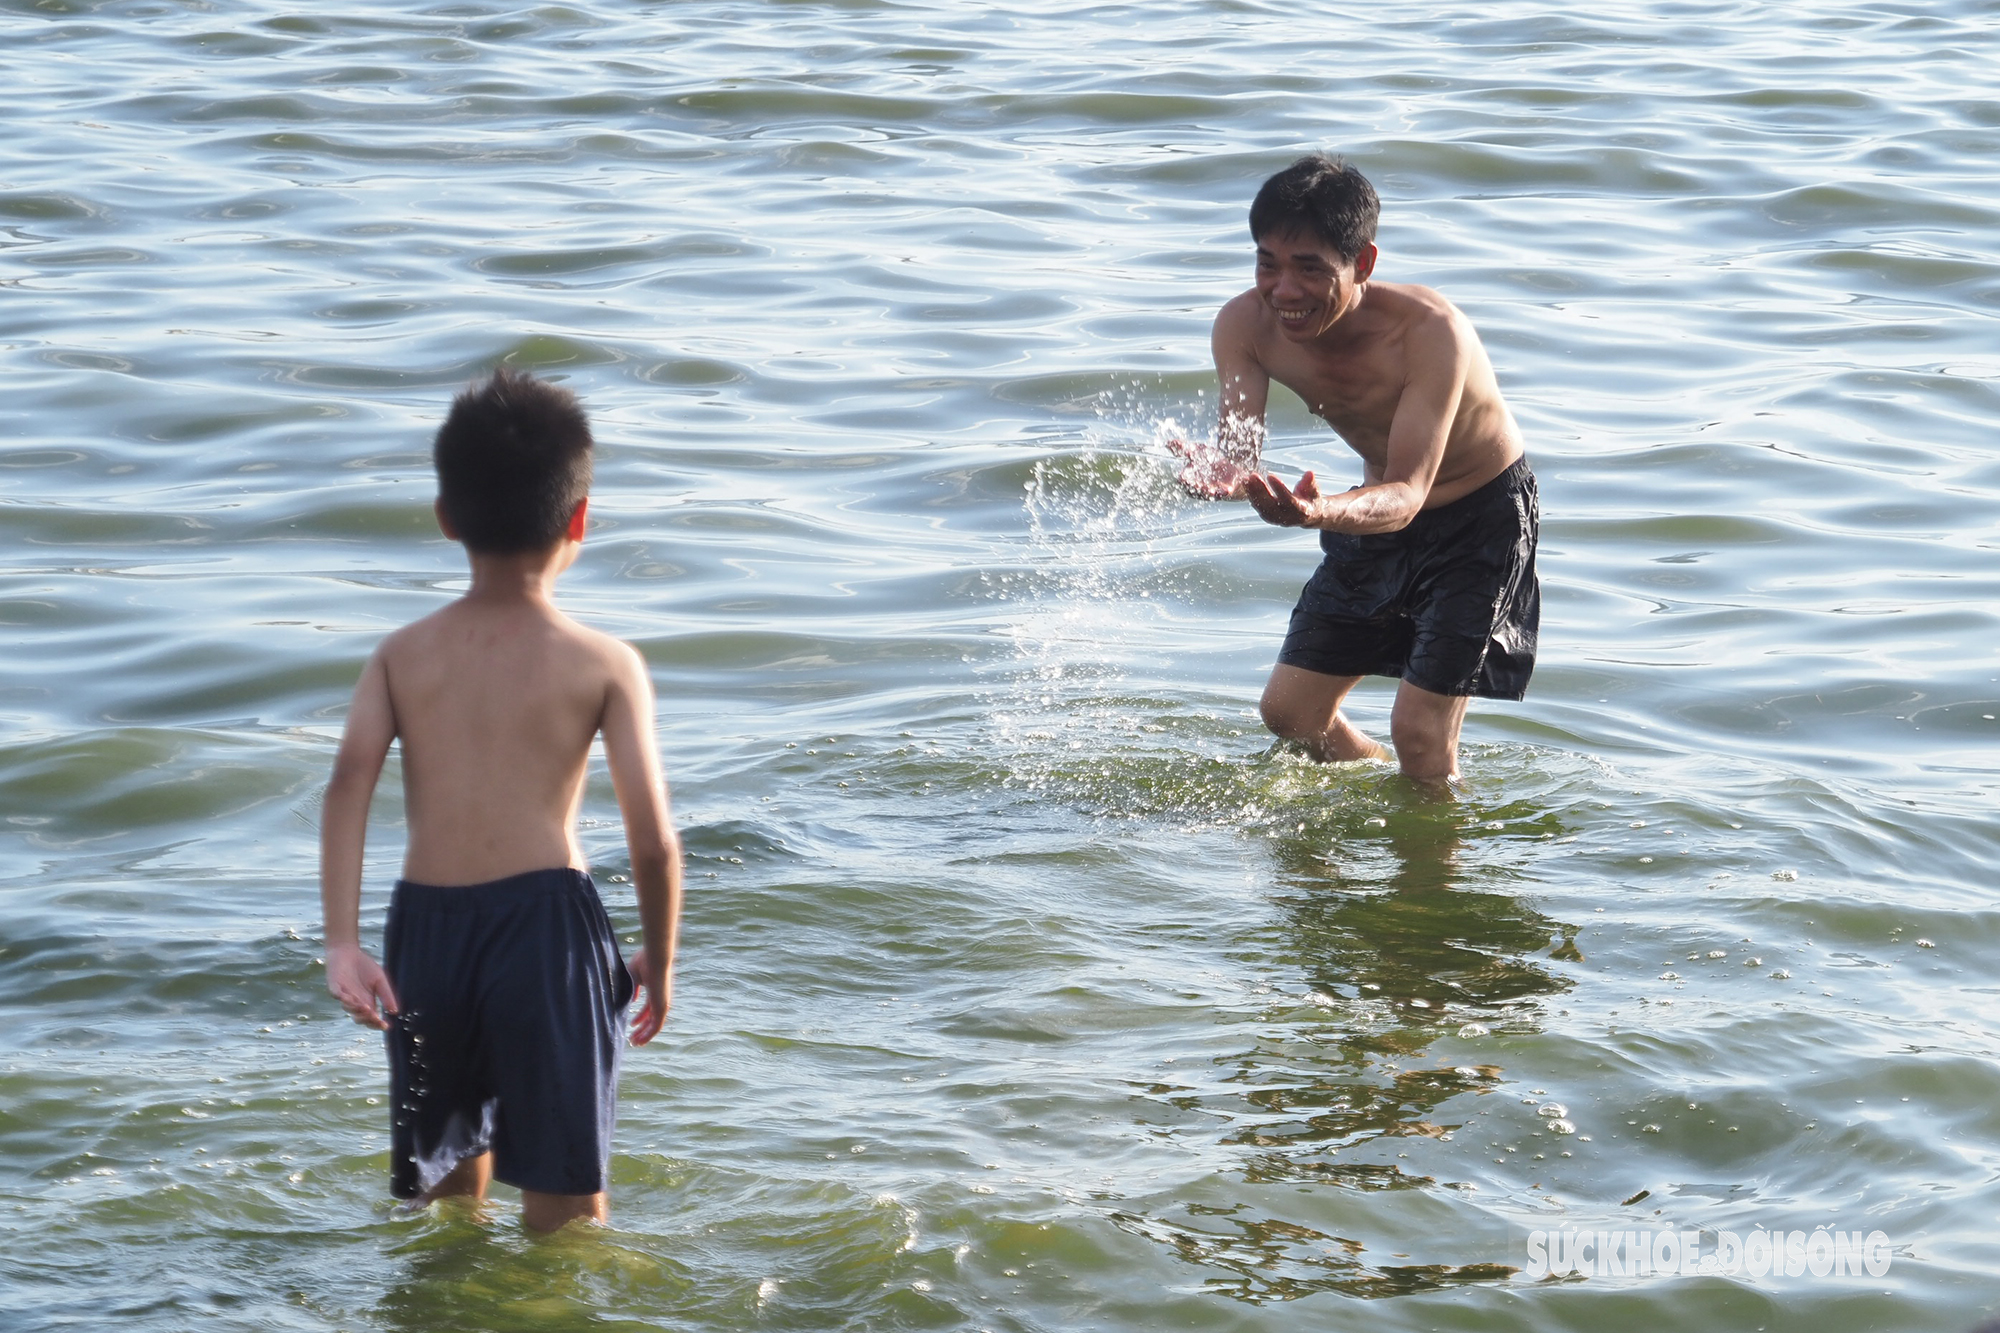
x=1268, y=1259
x=1402, y=917
x=1400, y=940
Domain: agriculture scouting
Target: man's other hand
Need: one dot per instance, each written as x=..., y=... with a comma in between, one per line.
x=1287, y=507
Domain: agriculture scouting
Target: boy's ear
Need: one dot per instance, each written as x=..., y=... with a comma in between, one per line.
x=577, y=520
x=444, y=524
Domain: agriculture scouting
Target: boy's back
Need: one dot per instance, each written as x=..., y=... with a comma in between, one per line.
x=496, y=703
x=504, y=990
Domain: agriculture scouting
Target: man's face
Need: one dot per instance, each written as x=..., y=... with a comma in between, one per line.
x=1307, y=283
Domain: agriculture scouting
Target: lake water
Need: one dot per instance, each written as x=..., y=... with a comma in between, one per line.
x=1025, y=987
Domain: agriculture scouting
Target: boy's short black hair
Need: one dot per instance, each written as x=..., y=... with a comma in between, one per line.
x=513, y=460
x=1320, y=196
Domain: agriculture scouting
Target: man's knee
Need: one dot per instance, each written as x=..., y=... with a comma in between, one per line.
x=1426, y=758
x=1299, y=704
x=1426, y=744
x=1284, y=719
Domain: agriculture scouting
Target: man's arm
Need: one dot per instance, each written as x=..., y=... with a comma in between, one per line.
x=1219, y=471
x=649, y=834
x=355, y=979
x=1438, y=360
x=1243, y=385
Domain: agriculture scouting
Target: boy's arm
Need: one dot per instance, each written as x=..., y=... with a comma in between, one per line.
x=354, y=978
x=649, y=834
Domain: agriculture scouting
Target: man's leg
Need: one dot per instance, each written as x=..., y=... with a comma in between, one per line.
x=1425, y=729
x=1304, y=706
x=546, y=1212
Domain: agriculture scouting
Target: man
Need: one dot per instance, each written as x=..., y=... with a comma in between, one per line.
x=1429, y=573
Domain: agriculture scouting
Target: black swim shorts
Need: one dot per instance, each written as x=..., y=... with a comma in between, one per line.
x=512, y=997
x=1449, y=603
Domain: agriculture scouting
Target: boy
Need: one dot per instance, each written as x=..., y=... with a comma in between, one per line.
x=1429, y=572
x=504, y=989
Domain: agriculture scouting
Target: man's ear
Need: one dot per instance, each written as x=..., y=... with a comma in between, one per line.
x=578, y=519
x=444, y=524
x=1364, y=263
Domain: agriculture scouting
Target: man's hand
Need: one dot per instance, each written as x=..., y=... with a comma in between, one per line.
x=1287, y=507
x=1209, y=473
x=360, y=984
x=652, y=1015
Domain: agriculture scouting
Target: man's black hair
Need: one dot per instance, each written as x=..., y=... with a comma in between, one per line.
x=513, y=460
x=1320, y=196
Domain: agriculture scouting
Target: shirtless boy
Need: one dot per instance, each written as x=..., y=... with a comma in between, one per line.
x=504, y=989
x=1429, y=572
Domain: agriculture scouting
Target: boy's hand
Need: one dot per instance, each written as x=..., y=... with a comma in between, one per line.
x=359, y=983
x=1209, y=473
x=652, y=1015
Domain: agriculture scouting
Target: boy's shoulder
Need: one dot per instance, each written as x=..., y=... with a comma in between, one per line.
x=615, y=654
x=462, y=633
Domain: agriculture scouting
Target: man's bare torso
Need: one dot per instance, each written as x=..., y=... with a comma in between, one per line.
x=1356, y=376
x=495, y=707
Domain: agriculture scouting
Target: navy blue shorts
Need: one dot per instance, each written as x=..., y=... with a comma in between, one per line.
x=513, y=996
x=1449, y=603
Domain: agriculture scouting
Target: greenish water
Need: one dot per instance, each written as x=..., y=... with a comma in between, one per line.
x=1023, y=988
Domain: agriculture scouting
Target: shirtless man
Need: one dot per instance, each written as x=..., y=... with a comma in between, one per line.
x=1429, y=572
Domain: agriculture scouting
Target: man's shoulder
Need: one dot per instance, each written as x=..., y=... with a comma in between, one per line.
x=1244, y=313
x=1422, y=308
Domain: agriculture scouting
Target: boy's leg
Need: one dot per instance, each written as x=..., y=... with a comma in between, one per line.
x=468, y=1179
x=1304, y=706
x=1425, y=728
x=553, y=1034
x=546, y=1212
x=539, y=1212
